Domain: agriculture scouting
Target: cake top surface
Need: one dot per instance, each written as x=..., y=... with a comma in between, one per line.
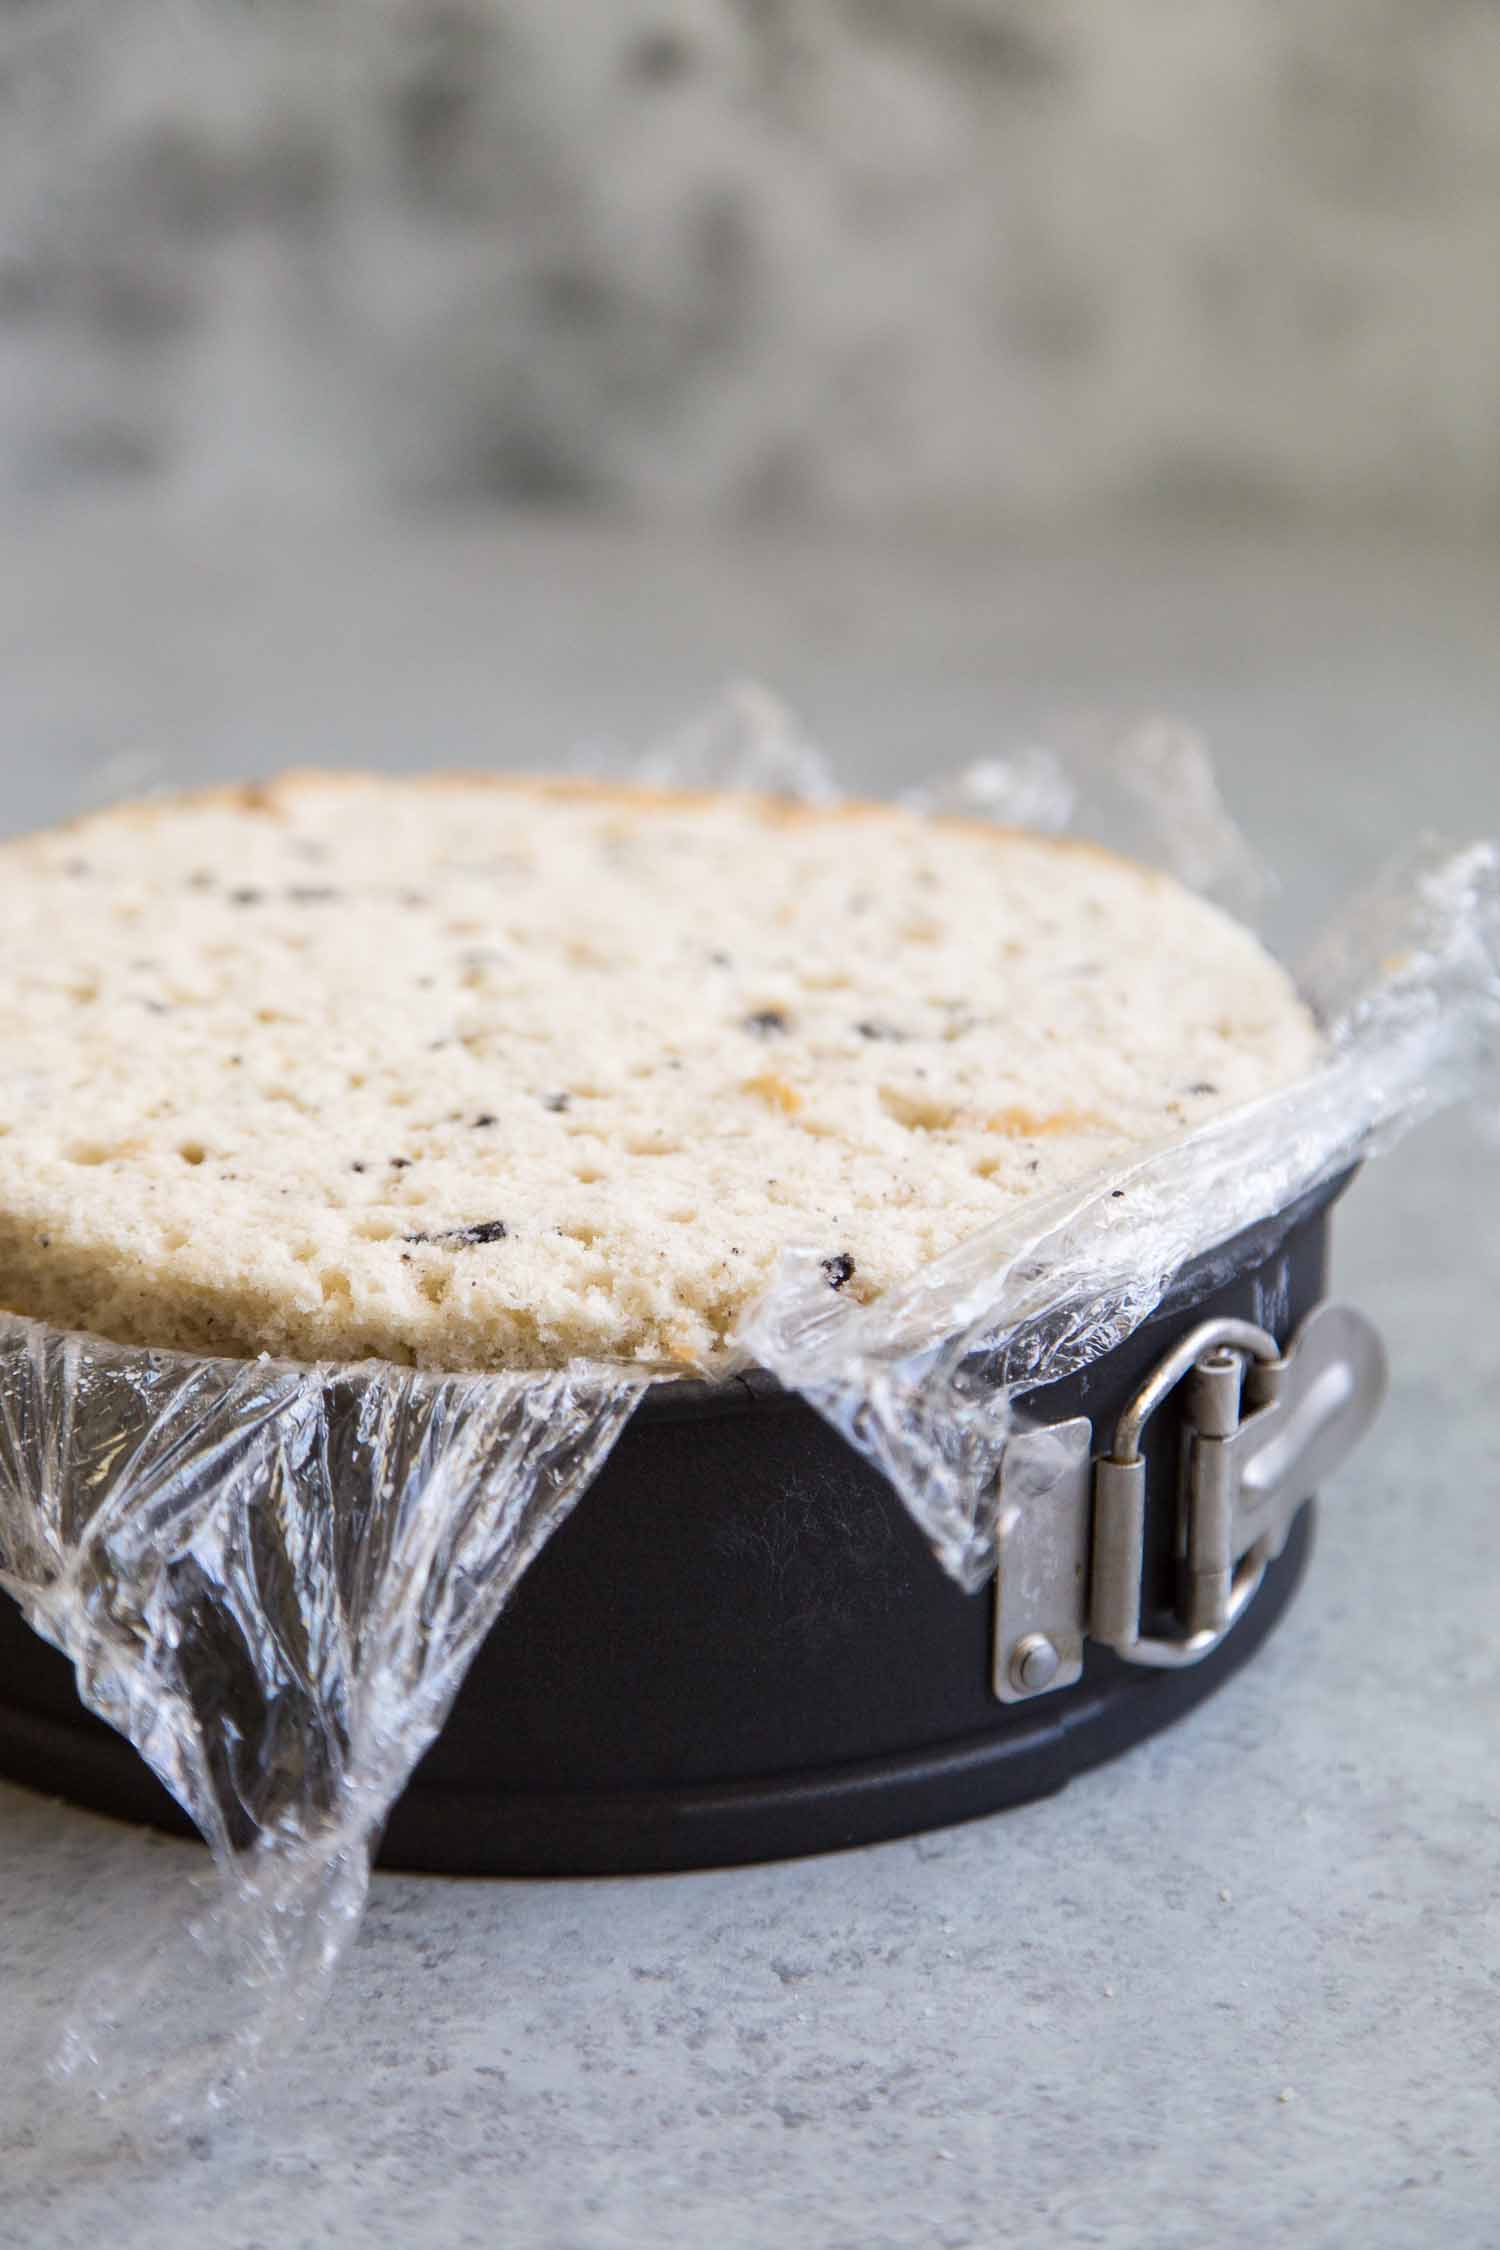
x=465, y=1072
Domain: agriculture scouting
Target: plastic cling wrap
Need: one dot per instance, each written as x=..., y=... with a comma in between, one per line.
x=271, y=1578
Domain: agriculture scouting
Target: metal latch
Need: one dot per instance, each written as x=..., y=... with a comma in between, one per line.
x=1263, y=1428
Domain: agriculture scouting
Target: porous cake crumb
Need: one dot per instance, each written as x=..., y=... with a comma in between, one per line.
x=489, y=1073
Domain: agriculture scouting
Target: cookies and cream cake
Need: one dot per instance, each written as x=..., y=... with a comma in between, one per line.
x=472, y=1072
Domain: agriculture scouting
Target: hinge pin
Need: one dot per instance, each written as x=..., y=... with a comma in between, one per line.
x=1215, y=1393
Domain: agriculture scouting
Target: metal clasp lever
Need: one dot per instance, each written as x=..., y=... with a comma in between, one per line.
x=1263, y=1428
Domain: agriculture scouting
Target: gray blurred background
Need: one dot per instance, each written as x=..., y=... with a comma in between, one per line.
x=883, y=259
x=399, y=381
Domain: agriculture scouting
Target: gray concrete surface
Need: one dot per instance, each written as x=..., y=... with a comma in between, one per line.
x=1243, y=1988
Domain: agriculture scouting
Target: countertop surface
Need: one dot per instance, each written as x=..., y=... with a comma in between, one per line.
x=1242, y=1987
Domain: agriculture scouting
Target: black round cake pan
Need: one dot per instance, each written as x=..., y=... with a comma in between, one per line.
x=739, y=1646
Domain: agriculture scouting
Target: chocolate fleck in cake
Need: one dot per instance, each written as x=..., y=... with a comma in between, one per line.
x=478, y=1073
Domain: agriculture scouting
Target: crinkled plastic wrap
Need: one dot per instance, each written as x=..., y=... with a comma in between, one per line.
x=272, y=1578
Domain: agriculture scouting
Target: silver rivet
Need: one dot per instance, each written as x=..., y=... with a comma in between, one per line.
x=1034, y=1663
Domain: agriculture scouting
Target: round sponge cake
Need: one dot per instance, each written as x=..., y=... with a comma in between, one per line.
x=488, y=1073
